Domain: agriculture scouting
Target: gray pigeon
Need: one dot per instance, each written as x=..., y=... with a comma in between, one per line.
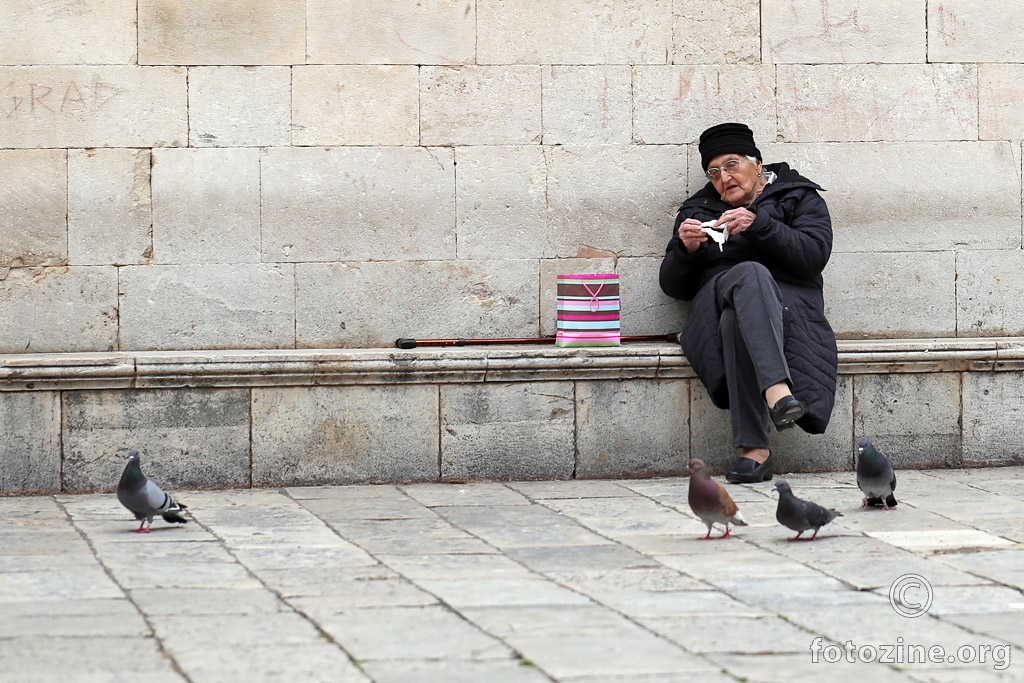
x=144, y=498
x=875, y=476
x=800, y=515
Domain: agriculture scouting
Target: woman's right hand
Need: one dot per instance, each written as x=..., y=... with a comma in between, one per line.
x=691, y=234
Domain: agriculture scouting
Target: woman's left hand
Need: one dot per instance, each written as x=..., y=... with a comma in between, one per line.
x=739, y=219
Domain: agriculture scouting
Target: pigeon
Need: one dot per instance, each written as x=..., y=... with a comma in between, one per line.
x=710, y=501
x=144, y=498
x=875, y=476
x=800, y=515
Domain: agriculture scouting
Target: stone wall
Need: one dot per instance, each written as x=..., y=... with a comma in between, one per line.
x=214, y=215
x=187, y=174
x=306, y=417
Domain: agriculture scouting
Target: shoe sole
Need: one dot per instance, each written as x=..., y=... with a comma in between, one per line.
x=789, y=418
x=748, y=479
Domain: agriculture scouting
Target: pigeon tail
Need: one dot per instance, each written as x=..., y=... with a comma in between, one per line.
x=174, y=517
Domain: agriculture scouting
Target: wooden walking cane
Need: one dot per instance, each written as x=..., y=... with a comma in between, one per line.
x=408, y=343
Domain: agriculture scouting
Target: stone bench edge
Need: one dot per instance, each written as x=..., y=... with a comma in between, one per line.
x=312, y=367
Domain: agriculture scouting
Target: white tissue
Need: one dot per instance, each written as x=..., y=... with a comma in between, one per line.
x=719, y=236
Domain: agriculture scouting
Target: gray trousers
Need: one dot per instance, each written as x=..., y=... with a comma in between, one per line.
x=751, y=333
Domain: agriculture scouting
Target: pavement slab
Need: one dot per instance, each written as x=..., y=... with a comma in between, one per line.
x=596, y=581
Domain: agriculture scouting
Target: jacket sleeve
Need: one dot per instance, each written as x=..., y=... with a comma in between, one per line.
x=799, y=241
x=681, y=271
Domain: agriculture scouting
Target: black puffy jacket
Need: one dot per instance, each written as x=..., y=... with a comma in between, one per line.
x=792, y=237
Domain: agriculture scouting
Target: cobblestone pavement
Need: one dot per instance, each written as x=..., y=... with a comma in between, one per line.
x=575, y=581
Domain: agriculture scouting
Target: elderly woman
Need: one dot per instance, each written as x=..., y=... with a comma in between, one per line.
x=756, y=332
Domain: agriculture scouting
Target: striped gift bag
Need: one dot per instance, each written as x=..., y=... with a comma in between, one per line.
x=588, y=310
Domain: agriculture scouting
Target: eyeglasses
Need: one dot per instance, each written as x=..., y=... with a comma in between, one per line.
x=729, y=167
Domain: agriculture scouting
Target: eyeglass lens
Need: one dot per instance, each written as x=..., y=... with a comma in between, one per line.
x=729, y=167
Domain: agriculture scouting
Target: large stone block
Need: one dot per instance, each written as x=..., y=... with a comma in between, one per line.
x=974, y=31
x=342, y=435
x=221, y=32
x=969, y=198
x=60, y=309
x=502, y=202
x=507, y=431
x=573, y=32
x=237, y=106
x=106, y=188
x=632, y=428
x=710, y=432
x=355, y=105
x=92, y=106
x=33, y=207
x=1000, y=91
x=372, y=304
x=867, y=102
x=993, y=418
x=360, y=203
x=617, y=199
x=587, y=105
x=68, y=32
x=30, y=452
x=474, y=105
x=645, y=308
x=899, y=295
x=194, y=438
x=913, y=418
x=673, y=104
x=235, y=306
x=716, y=31
x=206, y=205
x=988, y=293
x=878, y=31
x=397, y=32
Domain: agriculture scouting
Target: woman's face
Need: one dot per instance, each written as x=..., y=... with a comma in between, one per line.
x=740, y=187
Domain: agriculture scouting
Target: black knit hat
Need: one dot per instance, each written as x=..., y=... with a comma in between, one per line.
x=726, y=138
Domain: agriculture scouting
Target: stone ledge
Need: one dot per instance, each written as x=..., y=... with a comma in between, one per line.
x=325, y=367
x=303, y=417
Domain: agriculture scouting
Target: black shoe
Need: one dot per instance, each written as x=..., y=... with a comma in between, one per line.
x=787, y=411
x=747, y=471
